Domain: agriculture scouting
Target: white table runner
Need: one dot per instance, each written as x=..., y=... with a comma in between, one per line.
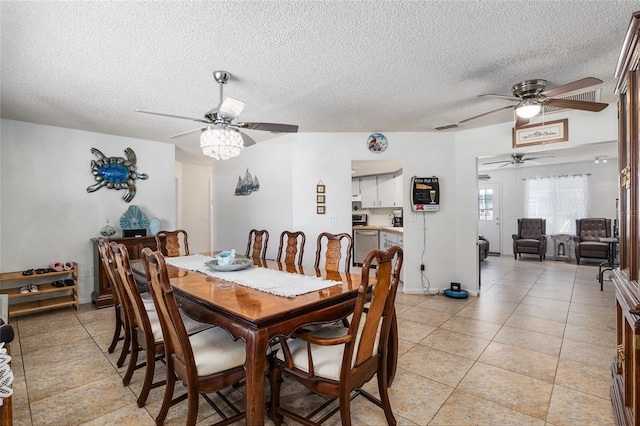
x=268, y=280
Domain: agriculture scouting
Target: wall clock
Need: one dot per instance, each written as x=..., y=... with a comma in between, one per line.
x=377, y=143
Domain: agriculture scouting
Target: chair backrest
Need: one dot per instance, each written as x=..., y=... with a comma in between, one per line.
x=333, y=251
x=257, y=244
x=291, y=249
x=592, y=229
x=176, y=340
x=106, y=257
x=371, y=331
x=169, y=242
x=139, y=317
x=532, y=227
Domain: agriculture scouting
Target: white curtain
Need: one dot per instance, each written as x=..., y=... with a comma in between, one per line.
x=558, y=199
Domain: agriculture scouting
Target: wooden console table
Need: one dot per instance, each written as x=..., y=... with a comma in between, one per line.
x=102, y=295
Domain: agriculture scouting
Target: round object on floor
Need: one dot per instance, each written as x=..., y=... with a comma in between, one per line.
x=461, y=294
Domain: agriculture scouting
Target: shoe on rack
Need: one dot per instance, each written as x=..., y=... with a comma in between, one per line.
x=27, y=272
x=57, y=284
x=33, y=288
x=56, y=266
x=24, y=289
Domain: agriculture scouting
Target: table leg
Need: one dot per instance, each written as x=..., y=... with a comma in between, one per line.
x=255, y=369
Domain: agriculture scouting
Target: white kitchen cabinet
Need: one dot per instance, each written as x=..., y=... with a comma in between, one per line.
x=369, y=191
x=355, y=187
x=378, y=191
x=399, y=201
x=386, y=190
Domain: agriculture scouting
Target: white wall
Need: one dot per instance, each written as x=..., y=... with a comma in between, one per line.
x=603, y=192
x=46, y=213
x=269, y=208
x=301, y=161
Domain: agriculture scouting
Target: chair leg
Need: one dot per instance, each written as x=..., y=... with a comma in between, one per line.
x=126, y=346
x=116, y=332
x=168, y=395
x=193, y=398
x=276, y=381
x=345, y=407
x=150, y=368
x=133, y=360
x=384, y=399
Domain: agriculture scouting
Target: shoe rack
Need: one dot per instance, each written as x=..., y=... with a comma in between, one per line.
x=47, y=297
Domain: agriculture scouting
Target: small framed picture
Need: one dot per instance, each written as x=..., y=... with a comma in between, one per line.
x=320, y=210
x=320, y=199
x=320, y=189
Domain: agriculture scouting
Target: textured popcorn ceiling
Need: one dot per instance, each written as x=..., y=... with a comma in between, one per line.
x=338, y=66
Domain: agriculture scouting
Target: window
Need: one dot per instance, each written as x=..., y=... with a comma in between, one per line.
x=558, y=199
x=485, y=204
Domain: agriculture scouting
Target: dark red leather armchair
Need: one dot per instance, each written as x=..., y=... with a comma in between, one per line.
x=587, y=238
x=530, y=238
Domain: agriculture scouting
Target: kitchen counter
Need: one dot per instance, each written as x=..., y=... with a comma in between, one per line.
x=397, y=230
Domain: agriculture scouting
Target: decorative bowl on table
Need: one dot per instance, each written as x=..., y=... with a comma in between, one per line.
x=238, y=264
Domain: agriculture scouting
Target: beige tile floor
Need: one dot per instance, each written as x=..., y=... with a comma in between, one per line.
x=534, y=349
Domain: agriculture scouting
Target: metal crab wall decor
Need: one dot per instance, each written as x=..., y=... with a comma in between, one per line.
x=116, y=173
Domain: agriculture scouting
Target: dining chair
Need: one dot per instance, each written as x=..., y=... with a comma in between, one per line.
x=336, y=361
x=333, y=251
x=257, y=244
x=144, y=325
x=209, y=361
x=169, y=242
x=294, y=241
x=122, y=322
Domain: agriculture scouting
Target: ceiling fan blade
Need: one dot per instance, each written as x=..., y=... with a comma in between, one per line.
x=506, y=97
x=570, y=103
x=187, y=132
x=248, y=140
x=496, y=162
x=231, y=108
x=270, y=127
x=486, y=113
x=175, y=116
x=537, y=158
x=521, y=121
x=572, y=87
x=508, y=164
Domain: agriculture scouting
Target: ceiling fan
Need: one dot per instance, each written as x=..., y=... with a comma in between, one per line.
x=518, y=159
x=221, y=119
x=531, y=98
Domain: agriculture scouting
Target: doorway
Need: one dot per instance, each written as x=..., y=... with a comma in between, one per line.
x=489, y=215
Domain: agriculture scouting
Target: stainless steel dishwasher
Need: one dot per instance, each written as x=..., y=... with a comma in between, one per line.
x=365, y=240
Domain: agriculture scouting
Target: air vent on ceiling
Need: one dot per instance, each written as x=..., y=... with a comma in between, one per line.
x=484, y=177
x=592, y=95
x=447, y=127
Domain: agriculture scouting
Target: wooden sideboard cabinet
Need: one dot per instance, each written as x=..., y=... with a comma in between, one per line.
x=102, y=295
x=625, y=389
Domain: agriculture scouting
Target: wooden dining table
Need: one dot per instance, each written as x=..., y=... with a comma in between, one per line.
x=257, y=317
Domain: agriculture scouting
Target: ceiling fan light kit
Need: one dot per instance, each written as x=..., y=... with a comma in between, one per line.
x=220, y=137
x=532, y=96
x=528, y=108
x=221, y=143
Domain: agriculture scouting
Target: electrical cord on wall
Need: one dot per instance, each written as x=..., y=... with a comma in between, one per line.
x=424, y=279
